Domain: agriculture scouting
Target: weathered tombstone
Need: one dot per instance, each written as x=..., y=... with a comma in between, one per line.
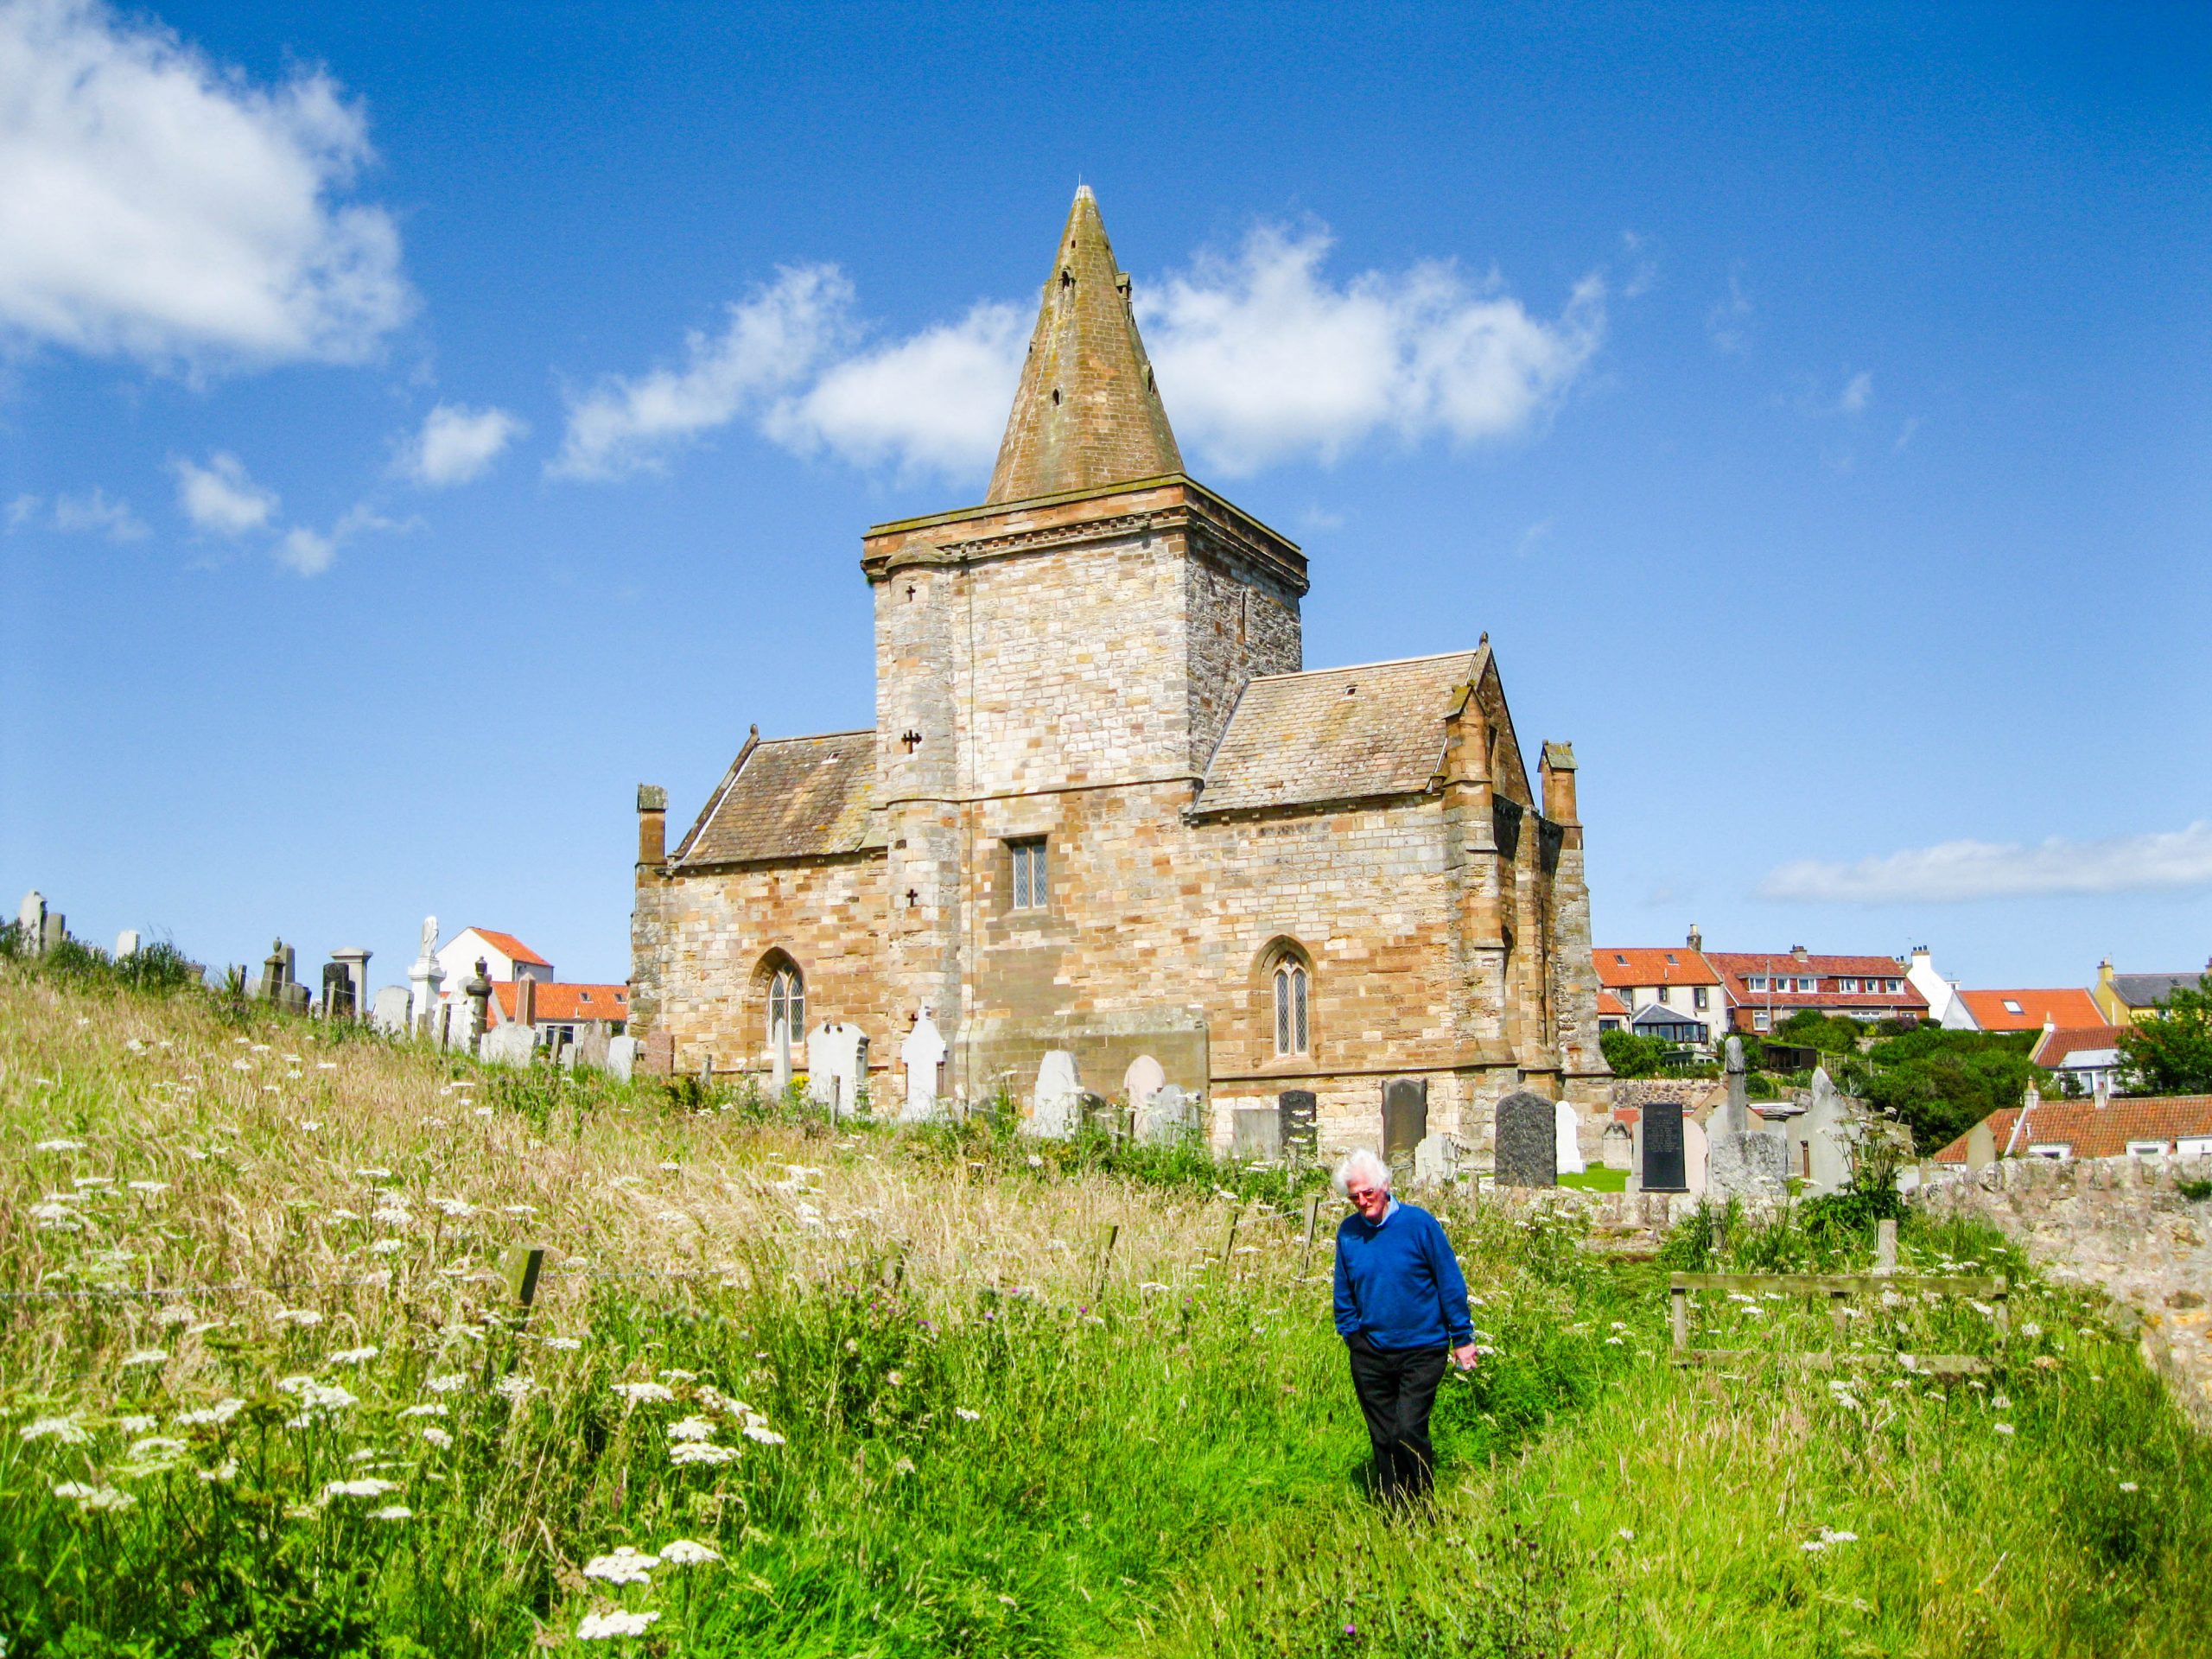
x=30, y=923
x=622, y=1057
x=1145, y=1078
x=922, y=1052
x=1567, y=1132
x=354, y=959
x=425, y=982
x=511, y=1044
x=1736, y=1111
x=836, y=1068
x=1301, y=1120
x=337, y=992
x=126, y=943
x=1827, y=1130
x=1693, y=1155
x=780, y=1044
x=1436, y=1159
x=1659, y=1148
x=1054, y=1108
x=1617, y=1147
x=54, y=933
x=476, y=988
x=1528, y=1141
x=1167, y=1117
x=1256, y=1134
x=591, y=1047
x=1742, y=1161
x=1981, y=1146
x=1405, y=1116
x=389, y=1013
x=656, y=1054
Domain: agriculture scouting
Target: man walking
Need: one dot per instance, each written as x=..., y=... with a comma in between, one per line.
x=1402, y=1304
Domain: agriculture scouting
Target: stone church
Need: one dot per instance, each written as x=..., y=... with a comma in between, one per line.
x=1106, y=808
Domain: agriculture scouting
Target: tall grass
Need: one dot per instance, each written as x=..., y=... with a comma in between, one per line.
x=935, y=1427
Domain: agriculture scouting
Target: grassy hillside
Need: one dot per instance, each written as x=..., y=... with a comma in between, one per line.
x=266, y=1392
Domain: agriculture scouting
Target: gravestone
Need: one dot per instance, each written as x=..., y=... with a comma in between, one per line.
x=622, y=1057
x=54, y=933
x=590, y=1050
x=1405, y=1116
x=1981, y=1146
x=1659, y=1148
x=511, y=1044
x=337, y=992
x=1826, y=1129
x=477, y=989
x=656, y=1056
x=1167, y=1117
x=1741, y=1160
x=1693, y=1155
x=1145, y=1078
x=922, y=1054
x=1055, y=1106
x=354, y=959
x=1301, y=1120
x=1256, y=1134
x=1566, y=1158
x=836, y=1068
x=1528, y=1141
x=1617, y=1147
x=779, y=1059
x=425, y=983
x=389, y=1013
x=1436, y=1160
x=126, y=943
x=30, y=923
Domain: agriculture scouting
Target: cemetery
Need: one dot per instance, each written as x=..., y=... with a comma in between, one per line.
x=864, y=1368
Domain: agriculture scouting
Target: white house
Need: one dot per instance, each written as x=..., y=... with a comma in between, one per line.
x=505, y=958
x=1944, y=1008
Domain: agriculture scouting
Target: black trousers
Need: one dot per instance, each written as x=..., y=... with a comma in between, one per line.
x=1397, y=1390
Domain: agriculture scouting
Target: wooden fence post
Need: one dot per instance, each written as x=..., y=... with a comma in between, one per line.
x=1229, y=1236
x=1107, y=1235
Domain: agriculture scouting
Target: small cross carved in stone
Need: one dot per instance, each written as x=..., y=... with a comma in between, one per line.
x=912, y=740
x=912, y=898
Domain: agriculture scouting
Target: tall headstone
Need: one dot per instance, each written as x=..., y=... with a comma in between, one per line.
x=1528, y=1141
x=1145, y=1078
x=1693, y=1155
x=126, y=943
x=1617, y=1147
x=1566, y=1131
x=779, y=1044
x=426, y=982
x=389, y=1013
x=1436, y=1160
x=1167, y=1117
x=1827, y=1130
x=1405, y=1116
x=1255, y=1135
x=1055, y=1107
x=921, y=1054
x=30, y=924
x=1736, y=1113
x=622, y=1057
x=477, y=989
x=1301, y=1121
x=337, y=992
x=354, y=959
x=1741, y=1160
x=836, y=1068
x=1659, y=1148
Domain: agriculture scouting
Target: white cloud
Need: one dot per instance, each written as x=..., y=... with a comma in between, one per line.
x=220, y=499
x=1728, y=324
x=1261, y=359
x=154, y=205
x=935, y=402
x=308, y=552
x=94, y=514
x=1904, y=433
x=22, y=510
x=770, y=342
x=456, y=444
x=1857, y=393
x=1960, y=870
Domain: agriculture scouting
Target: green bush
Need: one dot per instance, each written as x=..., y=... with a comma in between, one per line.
x=1632, y=1056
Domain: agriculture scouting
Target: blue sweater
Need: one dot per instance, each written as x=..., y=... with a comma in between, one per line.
x=1398, y=1283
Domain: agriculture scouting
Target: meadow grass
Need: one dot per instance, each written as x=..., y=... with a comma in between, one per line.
x=875, y=1383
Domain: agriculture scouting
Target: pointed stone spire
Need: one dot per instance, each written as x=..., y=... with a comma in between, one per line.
x=1087, y=415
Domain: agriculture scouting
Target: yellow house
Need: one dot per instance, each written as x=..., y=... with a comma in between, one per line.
x=2125, y=998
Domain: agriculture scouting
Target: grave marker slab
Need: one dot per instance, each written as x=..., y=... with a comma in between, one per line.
x=1256, y=1134
x=1405, y=1116
x=1301, y=1120
x=1056, y=1105
x=1659, y=1147
x=1568, y=1131
x=1528, y=1141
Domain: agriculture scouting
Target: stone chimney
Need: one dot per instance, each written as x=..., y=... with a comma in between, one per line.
x=527, y=1002
x=1696, y=939
x=1557, y=767
x=653, y=824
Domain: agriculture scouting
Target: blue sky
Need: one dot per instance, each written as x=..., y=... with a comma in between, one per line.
x=419, y=425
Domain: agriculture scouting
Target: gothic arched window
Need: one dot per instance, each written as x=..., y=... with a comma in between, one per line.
x=1292, y=988
x=787, y=1001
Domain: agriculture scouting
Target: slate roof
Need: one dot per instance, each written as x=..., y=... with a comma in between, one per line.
x=1337, y=733
x=2058, y=1047
x=791, y=798
x=2141, y=990
x=1635, y=964
x=2061, y=1008
x=2092, y=1131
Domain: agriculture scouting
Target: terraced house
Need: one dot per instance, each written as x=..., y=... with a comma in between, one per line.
x=1106, y=807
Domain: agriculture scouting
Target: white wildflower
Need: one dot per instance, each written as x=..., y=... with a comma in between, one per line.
x=562, y=1344
x=966, y=1416
x=685, y=1552
x=386, y=1246
x=2129, y=1486
x=2002, y=1428
x=437, y=1439
x=1627, y=1536
x=672, y=1375
x=206, y=1416
x=149, y=1187
x=354, y=1356
x=136, y=1425
x=691, y=1428
x=94, y=1497
x=428, y=1408
x=625, y=1566
x=597, y=1627
x=393, y=1512
x=145, y=1357
x=226, y=1470
x=155, y=1446
x=367, y=1486
x=2000, y=1403
x=446, y=1384
x=690, y=1451
x=452, y=1207
x=66, y=1430
x=302, y=1317
x=763, y=1433
x=637, y=1393
x=373, y=1174
x=514, y=1386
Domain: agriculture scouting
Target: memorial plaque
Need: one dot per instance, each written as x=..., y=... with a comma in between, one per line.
x=1405, y=1116
x=1528, y=1141
x=1662, y=1169
x=1301, y=1121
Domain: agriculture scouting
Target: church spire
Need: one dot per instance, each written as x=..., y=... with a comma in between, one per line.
x=1087, y=415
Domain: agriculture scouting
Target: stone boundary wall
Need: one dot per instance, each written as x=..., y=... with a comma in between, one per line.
x=2121, y=1226
x=1697, y=1095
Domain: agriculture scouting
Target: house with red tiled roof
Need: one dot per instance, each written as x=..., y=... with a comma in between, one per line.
x=2066, y=1008
x=2158, y=1126
x=506, y=959
x=2088, y=1055
x=1766, y=987
x=561, y=1015
x=1669, y=992
x=1612, y=1013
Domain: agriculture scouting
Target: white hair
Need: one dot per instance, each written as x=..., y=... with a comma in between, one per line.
x=1363, y=1165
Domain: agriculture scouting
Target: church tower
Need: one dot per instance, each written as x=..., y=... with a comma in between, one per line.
x=1083, y=635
